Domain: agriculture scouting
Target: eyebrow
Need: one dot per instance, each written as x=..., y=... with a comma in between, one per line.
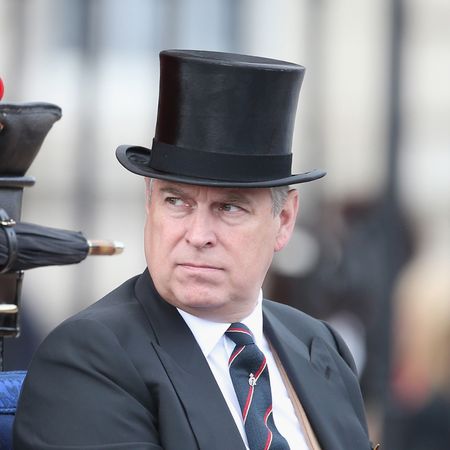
x=173, y=191
x=227, y=197
x=234, y=197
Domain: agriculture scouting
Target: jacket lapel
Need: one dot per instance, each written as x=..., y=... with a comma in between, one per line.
x=189, y=372
x=316, y=378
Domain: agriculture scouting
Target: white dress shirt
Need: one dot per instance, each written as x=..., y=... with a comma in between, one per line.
x=217, y=349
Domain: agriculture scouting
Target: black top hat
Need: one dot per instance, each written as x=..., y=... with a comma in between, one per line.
x=224, y=120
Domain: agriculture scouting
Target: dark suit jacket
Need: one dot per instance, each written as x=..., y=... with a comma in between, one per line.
x=127, y=374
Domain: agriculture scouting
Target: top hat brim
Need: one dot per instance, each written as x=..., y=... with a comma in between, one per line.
x=138, y=160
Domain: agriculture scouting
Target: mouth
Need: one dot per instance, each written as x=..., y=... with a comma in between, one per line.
x=198, y=267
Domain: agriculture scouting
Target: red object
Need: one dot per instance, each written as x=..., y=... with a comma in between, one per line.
x=2, y=89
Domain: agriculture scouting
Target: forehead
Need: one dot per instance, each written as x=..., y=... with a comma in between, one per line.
x=214, y=193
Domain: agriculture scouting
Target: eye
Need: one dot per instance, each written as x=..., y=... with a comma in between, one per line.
x=230, y=207
x=175, y=201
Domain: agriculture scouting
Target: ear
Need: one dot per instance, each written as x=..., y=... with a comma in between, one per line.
x=287, y=218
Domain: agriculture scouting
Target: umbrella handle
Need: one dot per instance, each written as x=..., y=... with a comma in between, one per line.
x=104, y=247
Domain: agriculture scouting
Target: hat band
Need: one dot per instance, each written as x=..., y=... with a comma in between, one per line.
x=219, y=166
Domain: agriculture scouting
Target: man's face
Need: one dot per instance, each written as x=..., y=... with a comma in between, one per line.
x=208, y=249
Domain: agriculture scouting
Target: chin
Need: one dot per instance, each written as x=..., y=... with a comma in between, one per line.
x=200, y=301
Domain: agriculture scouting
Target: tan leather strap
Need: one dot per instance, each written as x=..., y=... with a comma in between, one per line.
x=310, y=436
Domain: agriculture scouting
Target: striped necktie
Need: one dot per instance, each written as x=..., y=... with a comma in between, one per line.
x=250, y=377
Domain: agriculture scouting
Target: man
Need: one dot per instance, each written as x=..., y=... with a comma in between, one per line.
x=179, y=357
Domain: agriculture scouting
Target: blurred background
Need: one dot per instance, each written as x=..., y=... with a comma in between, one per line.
x=371, y=252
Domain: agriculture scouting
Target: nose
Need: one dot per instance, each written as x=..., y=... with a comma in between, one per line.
x=200, y=232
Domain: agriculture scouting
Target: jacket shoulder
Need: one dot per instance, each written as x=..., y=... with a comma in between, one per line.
x=301, y=324
x=119, y=314
x=306, y=328
x=116, y=310
x=121, y=297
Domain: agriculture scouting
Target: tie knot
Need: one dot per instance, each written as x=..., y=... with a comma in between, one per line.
x=240, y=334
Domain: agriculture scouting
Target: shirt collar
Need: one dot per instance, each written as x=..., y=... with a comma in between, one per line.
x=208, y=333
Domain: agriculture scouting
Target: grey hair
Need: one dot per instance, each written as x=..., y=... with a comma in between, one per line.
x=149, y=188
x=279, y=195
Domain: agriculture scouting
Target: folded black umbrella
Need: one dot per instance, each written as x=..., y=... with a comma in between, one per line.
x=25, y=246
